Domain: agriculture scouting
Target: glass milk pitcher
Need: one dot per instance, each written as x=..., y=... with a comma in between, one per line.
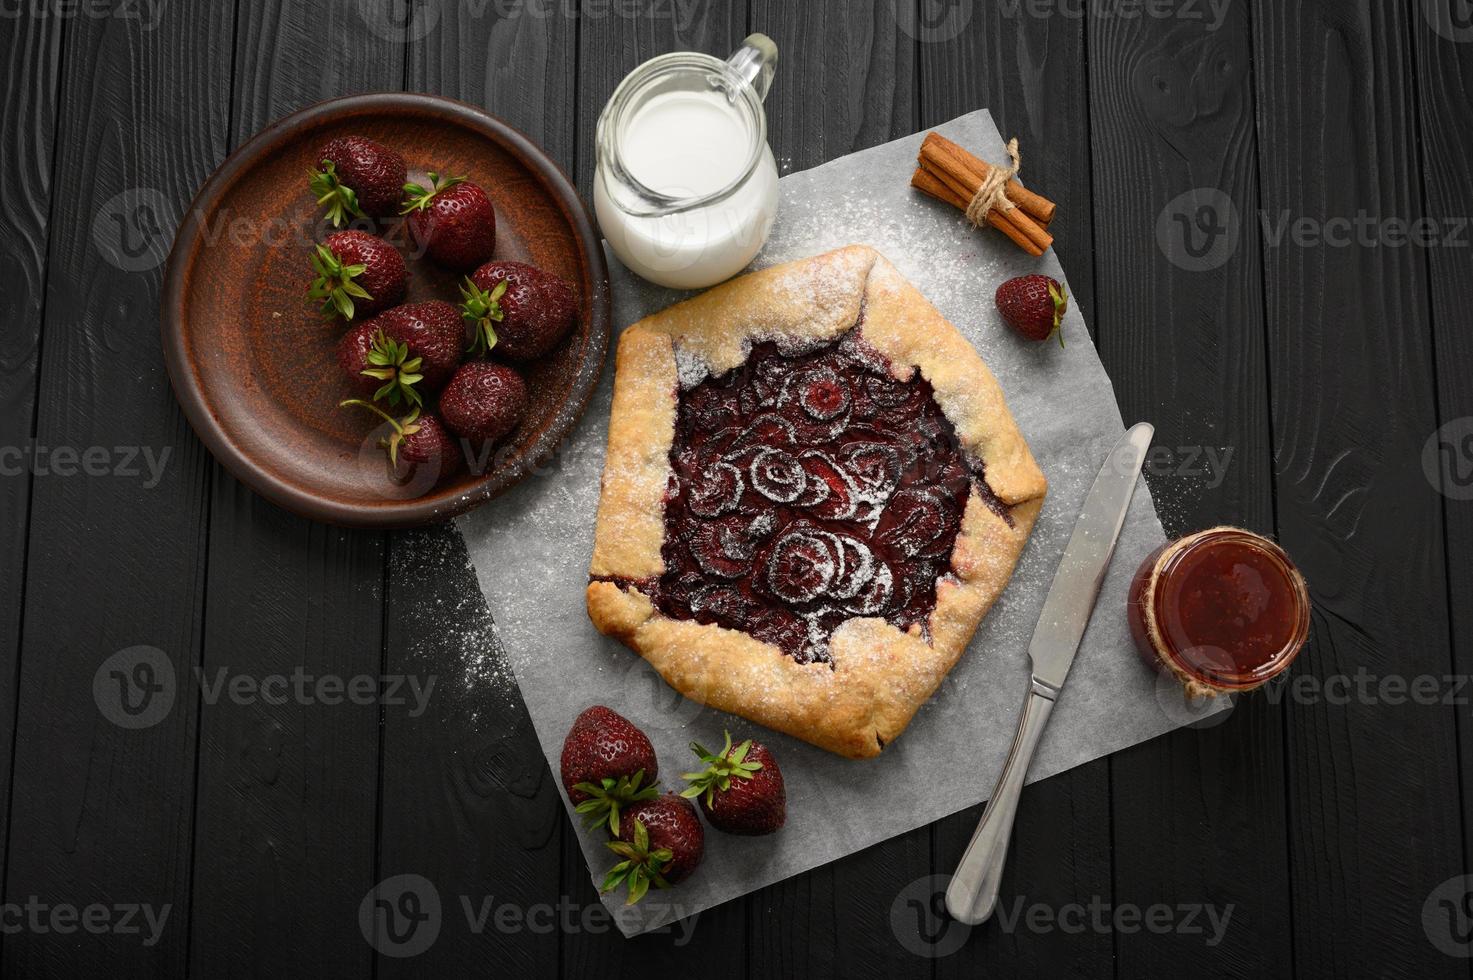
x=686, y=187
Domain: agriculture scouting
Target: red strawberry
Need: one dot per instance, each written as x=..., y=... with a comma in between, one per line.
x=358, y=274
x=741, y=789
x=520, y=310
x=605, y=760
x=358, y=177
x=483, y=401
x=661, y=842
x=453, y=220
x=435, y=332
x=1033, y=305
x=417, y=440
x=404, y=352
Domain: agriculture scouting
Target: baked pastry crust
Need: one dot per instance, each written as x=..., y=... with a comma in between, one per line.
x=879, y=675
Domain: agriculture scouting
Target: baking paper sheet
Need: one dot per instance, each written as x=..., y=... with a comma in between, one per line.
x=531, y=550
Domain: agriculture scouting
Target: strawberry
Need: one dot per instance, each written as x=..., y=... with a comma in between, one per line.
x=453, y=220
x=358, y=274
x=661, y=842
x=483, y=401
x=358, y=177
x=417, y=440
x=379, y=367
x=404, y=352
x=1033, y=305
x=517, y=308
x=741, y=789
x=605, y=759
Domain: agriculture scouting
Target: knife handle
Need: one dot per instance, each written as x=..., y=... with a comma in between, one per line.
x=973, y=890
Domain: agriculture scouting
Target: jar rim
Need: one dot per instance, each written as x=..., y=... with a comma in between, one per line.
x=626, y=99
x=1177, y=552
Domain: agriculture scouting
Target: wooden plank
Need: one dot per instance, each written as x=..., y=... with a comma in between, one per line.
x=286, y=804
x=1031, y=73
x=1181, y=332
x=848, y=82
x=467, y=800
x=468, y=803
x=102, y=813
x=32, y=48
x=1374, y=819
x=1444, y=61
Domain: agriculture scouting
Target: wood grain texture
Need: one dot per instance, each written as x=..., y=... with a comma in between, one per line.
x=1374, y=816
x=1031, y=73
x=468, y=801
x=1445, y=98
x=31, y=50
x=1181, y=332
x=286, y=802
x=516, y=60
x=848, y=82
x=467, y=798
x=101, y=813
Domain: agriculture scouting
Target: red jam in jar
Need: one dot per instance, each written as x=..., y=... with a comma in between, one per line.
x=1223, y=610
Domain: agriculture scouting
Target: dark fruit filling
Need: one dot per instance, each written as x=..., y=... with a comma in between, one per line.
x=808, y=489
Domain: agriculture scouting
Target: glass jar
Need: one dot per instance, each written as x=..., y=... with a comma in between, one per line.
x=1223, y=610
x=685, y=188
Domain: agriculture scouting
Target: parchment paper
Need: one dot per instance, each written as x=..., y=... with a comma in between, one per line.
x=531, y=550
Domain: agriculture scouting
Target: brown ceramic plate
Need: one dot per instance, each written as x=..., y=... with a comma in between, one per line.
x=253, y=363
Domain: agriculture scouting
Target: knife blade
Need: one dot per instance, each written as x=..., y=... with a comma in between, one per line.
x=1077, y=581
x=972, y=892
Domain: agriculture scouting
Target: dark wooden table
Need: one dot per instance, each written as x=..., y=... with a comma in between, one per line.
x=1318, y=347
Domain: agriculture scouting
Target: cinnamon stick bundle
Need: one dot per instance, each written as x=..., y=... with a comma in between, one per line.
x=951, y=174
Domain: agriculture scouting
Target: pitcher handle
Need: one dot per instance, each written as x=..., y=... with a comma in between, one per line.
x=754, y=63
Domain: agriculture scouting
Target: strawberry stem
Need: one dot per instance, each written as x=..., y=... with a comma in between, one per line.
x=389, y=362
x=482, y=308
x=335, y=286
x=419, y=197
x=339, y=199
x=721, y=768
x=607, y=795
x=641, y=866
x=1060, y=296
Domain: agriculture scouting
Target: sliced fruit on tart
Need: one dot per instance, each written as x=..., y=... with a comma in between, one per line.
x=813, y=493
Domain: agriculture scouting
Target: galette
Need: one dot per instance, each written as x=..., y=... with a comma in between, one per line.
x=813, y=493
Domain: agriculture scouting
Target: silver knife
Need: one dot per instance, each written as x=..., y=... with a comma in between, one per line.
x=973, y=890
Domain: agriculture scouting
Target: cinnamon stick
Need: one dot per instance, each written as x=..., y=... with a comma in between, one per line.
x=1038, y=207
x=964, y=174
x=933, y=186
